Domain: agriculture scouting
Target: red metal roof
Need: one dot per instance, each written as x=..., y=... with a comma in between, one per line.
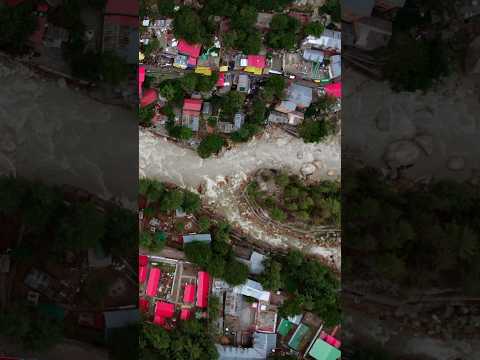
x=334, y=89
x=149, y=96
x=256, y=61
x=192, y=104
x=189, y=294
x=221, y=79
x=203, y=289
x=141, y=79
x=192, y=50
x=142, y=274
x=142, y=260
x=143, y=304
x=158, y=320
x=192, y=61
x=122, y=20
x=153, y=281
x=164, y=309
x=185, y=314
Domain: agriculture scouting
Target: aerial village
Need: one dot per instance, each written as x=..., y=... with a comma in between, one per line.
x=193, y=266
x=212, y=94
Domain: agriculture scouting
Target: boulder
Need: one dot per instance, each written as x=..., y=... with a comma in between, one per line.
x=402, y=153
x=308, y=169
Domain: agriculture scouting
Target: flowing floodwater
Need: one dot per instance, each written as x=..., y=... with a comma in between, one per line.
x=53, y=132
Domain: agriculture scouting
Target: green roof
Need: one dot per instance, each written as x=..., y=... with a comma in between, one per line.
x=324, y=351
x=284, y=327
x=298, y=336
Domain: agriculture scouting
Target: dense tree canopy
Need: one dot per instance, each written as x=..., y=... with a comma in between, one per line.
x=433, y=231
x=17, y=23
x=283, y=32
x=210, y=145
x=311, y=285
x=189, y=340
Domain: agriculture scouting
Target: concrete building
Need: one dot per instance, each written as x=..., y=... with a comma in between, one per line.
x=372, y=33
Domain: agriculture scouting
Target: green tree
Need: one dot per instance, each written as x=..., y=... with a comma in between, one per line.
x=188, y=25
x=314, y=28
x=171, y=200
x=204, y=224
x=277, y=85
x=315, y=131
x=189, y=82
x=283, y=32
x=191, y=202
x=271, y=278
x=236, y=273
x=333, y=8
x=166, y=8
x=211, y=144
x=145, y=115
x=278, y=214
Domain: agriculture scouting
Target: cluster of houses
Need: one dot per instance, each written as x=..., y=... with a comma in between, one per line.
x=318, y=60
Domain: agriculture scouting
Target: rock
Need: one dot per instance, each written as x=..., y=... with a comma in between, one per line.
x=331, y=173
x=62, y=83
x=456, y=163
x=308, y=169
x=395, y=119
x=426, y=143
x=402, y=153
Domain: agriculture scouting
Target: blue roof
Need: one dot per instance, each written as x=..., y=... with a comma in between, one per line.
x=197, y=237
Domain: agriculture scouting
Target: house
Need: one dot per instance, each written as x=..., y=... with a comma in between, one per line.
x=191, y=113
x=185, y=314
x=372, y=33
x=153, y=281
x=141, y=79
x=253, y=289
x=149, y=97
x=243, y=83
x=276, y=117
x=120, y=29
x=203, y=289
x=389, y=4
x=207, y=109
x=297, y=341
x=263, y=345
x=181, y=61
x=255, y=64
x=190, y=50
x=163, y=311
x=352, y=10
x=334, y=89
x=204, y=238
x=255, y=264
x=313, y=55
x=329, y=40
x=189, y=294
x=286, y=106
x=335, y=67
x=142, y=268
x=300, y=95
x=295, y=118
x=322, y=350
x=225, y=127
x=238, y=120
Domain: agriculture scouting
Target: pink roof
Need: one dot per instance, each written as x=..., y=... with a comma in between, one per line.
x=149, y=96
x=192, y=50
x=141, y=79
x=142, y=260
x=332, y=341
x=153, y=280
x=256, y=61
x=203, y=289
x=192, y=104
x=124, y=7
x=164, y=309
x=142, y=274
x=189, y=294
x=143, y=305
x=185, y=314
x=221, y=79
x=158, y=320
x=334, y=89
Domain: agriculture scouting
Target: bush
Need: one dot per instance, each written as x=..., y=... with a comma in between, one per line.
x=315, y=131
x=314, y=28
